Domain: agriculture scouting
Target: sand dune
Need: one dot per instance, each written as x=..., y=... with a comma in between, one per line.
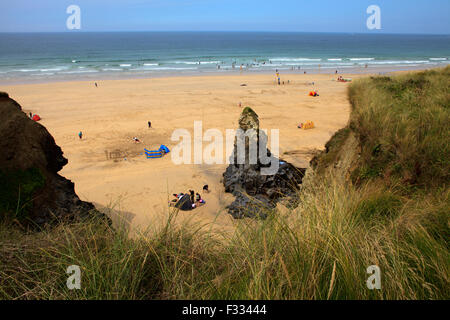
x=110, y=170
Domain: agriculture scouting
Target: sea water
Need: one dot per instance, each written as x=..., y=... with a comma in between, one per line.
x=31, y=57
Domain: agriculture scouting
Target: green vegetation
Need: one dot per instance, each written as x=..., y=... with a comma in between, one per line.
x=394, y=216
x=318, y=251
x=332, y=150
x=17, y=189
x=403, y=124
x=249, y=111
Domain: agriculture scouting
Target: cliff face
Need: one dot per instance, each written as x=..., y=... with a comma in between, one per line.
x=30, y=187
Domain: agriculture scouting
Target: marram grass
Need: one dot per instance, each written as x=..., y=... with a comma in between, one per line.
x=321, y=250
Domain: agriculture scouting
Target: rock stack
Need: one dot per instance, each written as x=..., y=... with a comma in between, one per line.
x=257, y=193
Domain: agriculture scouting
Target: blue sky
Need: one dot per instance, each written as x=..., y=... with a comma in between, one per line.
x=397, y=16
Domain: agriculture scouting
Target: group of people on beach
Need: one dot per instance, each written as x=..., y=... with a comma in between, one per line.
x=247, y=66
x=192, y=199
x=277, y=73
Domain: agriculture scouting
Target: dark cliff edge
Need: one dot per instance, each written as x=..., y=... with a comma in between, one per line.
x=31, y=190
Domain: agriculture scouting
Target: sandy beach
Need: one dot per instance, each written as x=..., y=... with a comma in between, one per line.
x=110, y=170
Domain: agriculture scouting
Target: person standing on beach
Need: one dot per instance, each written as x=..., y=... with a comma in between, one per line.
x=192, y=195
x=96, y=85
x=149, y=124
x=80, y=135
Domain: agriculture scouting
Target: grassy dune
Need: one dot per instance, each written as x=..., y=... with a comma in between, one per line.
x=403, y=123
x=392, y=211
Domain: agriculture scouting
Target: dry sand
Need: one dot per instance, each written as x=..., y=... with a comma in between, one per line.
x=138, y=189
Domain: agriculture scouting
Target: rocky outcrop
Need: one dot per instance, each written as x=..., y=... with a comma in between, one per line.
x=30, y=187
x=256, y=192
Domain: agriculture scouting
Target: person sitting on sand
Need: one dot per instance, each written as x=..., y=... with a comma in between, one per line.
x=206, y=188
x=199, y=200
x=177, y=197
x=136, y=140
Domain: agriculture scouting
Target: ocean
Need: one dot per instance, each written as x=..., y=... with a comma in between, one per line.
x=41, y=57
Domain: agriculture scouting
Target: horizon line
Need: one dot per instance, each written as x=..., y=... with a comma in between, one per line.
x=225, y=31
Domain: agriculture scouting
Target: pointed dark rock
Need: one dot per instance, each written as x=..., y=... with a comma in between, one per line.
x=255, y=193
